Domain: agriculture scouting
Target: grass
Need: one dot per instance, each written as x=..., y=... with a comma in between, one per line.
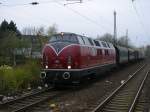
x=20, y=77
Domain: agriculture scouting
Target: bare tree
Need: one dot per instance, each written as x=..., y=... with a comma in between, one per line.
x=37, y=37
x=124, y=41
x=106, y=37
x=33, y=31
x=52, y=30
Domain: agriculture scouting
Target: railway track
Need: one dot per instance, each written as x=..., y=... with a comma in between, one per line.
x=24, y=103
x=125, y=97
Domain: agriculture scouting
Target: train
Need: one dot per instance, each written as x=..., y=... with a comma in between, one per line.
x=69, y=58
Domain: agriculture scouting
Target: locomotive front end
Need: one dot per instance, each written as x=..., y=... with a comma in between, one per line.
x=61, y=60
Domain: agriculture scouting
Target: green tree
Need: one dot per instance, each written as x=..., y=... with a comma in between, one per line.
x=10, y=44
x=4, y=26
x=12, y=26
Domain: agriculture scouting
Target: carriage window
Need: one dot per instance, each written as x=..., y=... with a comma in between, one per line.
x=81, y=41
x=96, y=43
x=90, y=40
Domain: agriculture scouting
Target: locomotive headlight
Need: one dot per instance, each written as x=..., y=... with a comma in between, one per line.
x=46, y=66
x=69, y=67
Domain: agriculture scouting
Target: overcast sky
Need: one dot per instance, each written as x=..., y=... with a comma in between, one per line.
x=92, y=17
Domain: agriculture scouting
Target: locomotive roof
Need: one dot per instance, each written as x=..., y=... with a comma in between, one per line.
x=65, y=33
x=101, y=43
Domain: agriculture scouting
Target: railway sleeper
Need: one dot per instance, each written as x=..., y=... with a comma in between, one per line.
x=114, y=110
x=119, y=105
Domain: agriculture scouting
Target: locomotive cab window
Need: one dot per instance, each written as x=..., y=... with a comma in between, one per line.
x=71, y=38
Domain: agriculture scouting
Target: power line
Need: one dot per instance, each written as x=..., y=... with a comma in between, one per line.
x=139, y=18
x=25, y=4
x=73, y=2
x=83, y=16
x=102, y=18
x=37, y=3
x=81, y=1
x=54, y=1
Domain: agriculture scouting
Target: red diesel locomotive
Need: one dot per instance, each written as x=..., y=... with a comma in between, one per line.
x=69, y=58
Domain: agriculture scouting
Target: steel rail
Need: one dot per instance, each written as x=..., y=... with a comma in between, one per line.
x=26, y=107
x=101, y=105
x=138, y=94
x=24, y=96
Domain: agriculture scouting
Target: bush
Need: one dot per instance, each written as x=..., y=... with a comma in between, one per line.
x=7, y=78
x=18, y=78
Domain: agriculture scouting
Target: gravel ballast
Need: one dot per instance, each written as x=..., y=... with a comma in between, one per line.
x=84, y=98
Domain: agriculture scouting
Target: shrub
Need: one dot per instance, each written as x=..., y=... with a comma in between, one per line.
x=7, y=78
x=18, y=78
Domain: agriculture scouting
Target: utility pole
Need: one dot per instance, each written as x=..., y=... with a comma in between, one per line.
x=115, y=29
x=127, y=37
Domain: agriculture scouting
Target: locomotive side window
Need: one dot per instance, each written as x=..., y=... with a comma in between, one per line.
x=81, y=41
x=86, y=41
x=104, y=44
x=100, y=43
x=108, y=45
x=111, y=46
x=91, y=42
x=64, y=38
x=96, y=43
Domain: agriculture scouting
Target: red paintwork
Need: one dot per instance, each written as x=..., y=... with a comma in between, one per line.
x=82, y=56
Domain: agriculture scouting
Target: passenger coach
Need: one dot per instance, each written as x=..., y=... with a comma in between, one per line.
x=68, y=58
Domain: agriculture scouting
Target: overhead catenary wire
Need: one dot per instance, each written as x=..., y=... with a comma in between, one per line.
x=103, y=19
x=96, y=23
x=73, y=2
x=140, y=20
x=55, y=1
x=85, y=17
x=36, y=3
x=27, y=4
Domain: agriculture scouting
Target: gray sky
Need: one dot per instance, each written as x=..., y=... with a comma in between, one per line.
x=92, y=17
